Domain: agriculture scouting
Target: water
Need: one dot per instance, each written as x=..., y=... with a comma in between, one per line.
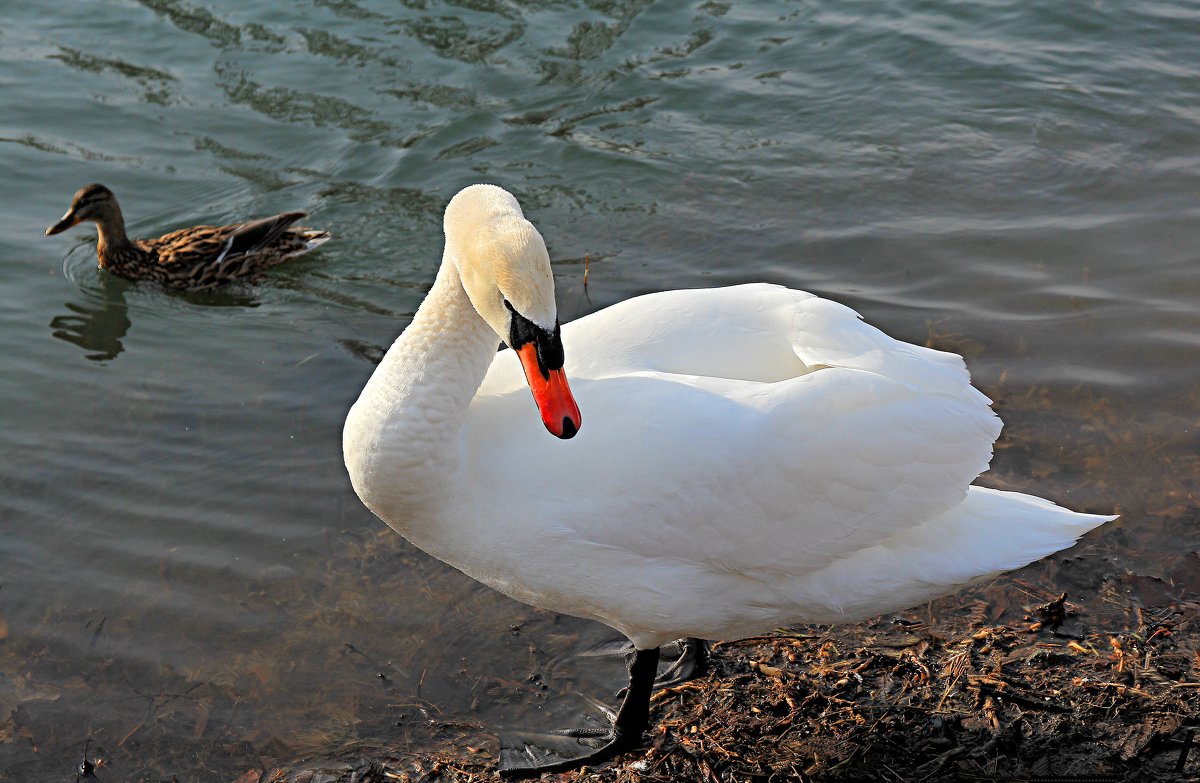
x=183, y=560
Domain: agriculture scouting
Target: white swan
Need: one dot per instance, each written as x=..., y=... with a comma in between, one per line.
x=754, y=456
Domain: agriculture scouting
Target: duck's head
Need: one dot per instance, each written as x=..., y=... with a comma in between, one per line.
x=93, y=202
x=505, y=270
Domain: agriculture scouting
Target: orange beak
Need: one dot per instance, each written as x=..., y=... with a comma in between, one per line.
x=559, y=411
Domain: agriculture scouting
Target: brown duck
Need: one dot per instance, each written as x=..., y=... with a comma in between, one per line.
x=192, y=259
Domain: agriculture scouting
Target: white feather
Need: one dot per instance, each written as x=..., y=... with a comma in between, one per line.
x=750, y=457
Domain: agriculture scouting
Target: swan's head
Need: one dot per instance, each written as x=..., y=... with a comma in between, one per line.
x=505, y=270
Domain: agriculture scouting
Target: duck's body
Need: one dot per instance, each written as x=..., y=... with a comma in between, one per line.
x=755, y=456
x=199, y=258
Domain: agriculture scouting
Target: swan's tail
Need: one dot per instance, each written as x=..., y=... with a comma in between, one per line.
x=989, y=532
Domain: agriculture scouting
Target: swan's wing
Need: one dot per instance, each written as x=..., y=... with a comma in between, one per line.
x=791, y=477
x=869, y=437
x=734, y=332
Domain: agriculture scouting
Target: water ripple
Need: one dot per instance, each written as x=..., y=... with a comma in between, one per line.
x=1013, y=181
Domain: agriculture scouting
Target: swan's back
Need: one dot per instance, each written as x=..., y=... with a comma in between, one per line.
x=738, y=333
x=754, y=332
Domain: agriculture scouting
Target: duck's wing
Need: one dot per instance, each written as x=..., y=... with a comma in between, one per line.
x=203, y=257
x=217, y=244
x=187, y=246
x=258, y=235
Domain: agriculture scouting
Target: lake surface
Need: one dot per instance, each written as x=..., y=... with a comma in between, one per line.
x=187, y=578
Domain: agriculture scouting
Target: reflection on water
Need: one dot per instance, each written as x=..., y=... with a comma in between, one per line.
x=183, y=562
x=97, y=328
x=101, y=319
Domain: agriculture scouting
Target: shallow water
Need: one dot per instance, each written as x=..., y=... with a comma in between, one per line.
x=179, y=554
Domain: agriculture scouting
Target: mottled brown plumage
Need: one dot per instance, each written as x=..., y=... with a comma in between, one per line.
x=192, y=259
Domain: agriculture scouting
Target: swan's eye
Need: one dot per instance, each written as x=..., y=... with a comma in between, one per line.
x=549, y=345
x=541, y=355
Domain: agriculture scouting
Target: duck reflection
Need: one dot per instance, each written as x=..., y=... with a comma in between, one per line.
x=97, y=326
x=99, y=323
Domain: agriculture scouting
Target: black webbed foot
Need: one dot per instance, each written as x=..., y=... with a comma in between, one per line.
x=528, y=755
x=691, y=663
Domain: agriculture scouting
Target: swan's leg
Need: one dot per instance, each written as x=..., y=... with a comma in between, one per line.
x=573, y=748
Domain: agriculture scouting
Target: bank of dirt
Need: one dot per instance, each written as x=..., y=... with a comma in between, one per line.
x=995, y=684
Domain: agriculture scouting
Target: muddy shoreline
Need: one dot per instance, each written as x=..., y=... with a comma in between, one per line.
x=989, y=685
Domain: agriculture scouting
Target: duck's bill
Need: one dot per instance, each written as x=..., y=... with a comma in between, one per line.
x=553, y=396
x=67, y=221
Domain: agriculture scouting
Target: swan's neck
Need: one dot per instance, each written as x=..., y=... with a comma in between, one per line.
x=401, y=439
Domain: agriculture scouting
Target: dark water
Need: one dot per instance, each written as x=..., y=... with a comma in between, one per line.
x=182, y=560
